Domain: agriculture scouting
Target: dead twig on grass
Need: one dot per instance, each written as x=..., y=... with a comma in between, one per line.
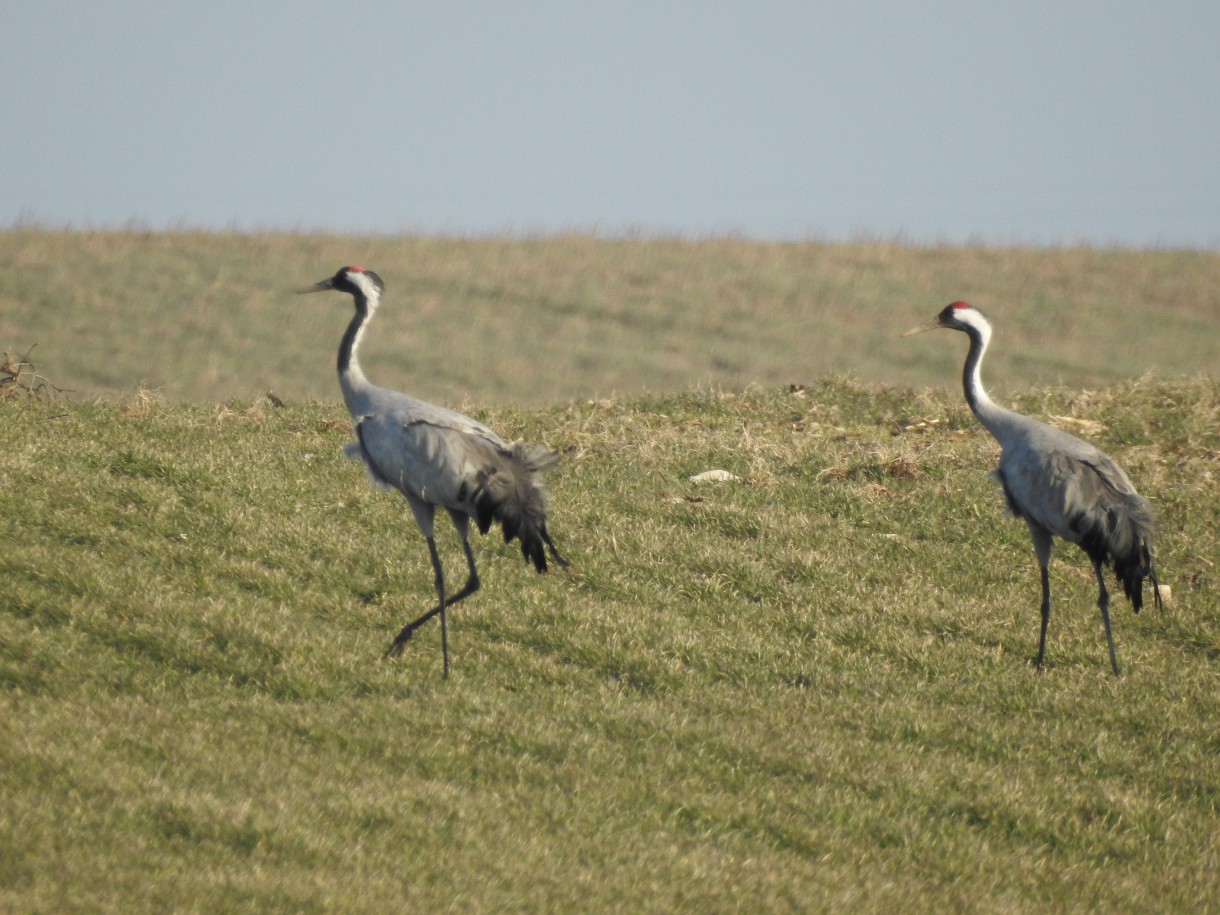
x=21, y=377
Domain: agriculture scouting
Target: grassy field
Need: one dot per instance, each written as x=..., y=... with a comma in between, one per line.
x=808, y=689
x=513, y=322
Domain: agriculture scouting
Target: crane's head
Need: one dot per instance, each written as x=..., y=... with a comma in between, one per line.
x=361, y=283
x=954, y=316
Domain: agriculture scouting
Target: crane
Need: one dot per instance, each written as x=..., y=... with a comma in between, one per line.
x=438, y=457
x=1060, y=485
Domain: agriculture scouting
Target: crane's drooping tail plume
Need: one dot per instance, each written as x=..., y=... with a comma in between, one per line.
x=511, y=492
x=1121, y=536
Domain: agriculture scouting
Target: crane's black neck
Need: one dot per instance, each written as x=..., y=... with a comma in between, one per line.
x=972, y=382
x=982, y=406
x=348, y=346
x=355, y=387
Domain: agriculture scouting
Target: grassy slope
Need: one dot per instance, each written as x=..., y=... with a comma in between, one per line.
x=811, y=688
x=205, y=317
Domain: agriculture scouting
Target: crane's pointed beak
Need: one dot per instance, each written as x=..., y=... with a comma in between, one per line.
x=927, y=325
x=328, y=283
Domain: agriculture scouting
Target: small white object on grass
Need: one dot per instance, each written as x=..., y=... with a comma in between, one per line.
x=714, y=476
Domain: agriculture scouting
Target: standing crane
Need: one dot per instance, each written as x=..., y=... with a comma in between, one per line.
x=438, y=458
x=1062, y=486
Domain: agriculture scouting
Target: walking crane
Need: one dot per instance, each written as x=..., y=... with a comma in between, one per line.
x=438, y=457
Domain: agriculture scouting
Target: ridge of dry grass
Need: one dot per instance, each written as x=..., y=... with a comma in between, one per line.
x=208, y=317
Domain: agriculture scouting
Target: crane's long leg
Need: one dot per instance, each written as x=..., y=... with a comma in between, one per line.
x=1103, y=604
x=443, y=602
x=408, y=630
x=1046, y=614
x=1043, y=542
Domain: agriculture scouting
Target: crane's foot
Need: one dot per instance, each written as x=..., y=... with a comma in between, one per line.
x=399, y=643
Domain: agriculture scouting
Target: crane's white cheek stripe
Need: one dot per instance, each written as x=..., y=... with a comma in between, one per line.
x=367, y=286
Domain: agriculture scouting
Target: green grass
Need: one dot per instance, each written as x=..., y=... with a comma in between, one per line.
x=809, y=689
x=512, y=322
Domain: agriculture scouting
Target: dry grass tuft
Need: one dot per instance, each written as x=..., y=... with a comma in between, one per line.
x=141, y=403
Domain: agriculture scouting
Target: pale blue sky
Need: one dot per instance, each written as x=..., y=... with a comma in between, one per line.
x=1001, y=122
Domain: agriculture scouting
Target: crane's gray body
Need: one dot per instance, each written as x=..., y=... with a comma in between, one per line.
x=1061, y=486
x=431, y=454
x=1064, y=485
